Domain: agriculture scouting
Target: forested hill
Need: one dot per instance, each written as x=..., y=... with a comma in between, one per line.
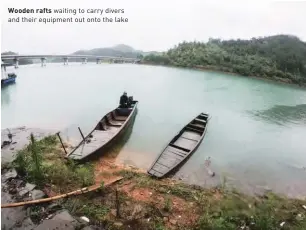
x=280, y=57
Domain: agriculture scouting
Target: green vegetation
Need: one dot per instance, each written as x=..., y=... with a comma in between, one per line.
x=42, y=162
x=167, y=206
x=280, y=57
x=142, y=202
x=220, y=208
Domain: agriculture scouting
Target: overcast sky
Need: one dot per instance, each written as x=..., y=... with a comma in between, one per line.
x=153, y=25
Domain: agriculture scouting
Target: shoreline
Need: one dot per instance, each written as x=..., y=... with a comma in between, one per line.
x=138, y=200
x=216, y=70
x=21, y=135
x=202, y=68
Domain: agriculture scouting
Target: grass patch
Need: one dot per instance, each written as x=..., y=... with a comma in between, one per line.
x=225, y=209
x=85, y=206
x=232, y=211
x=167, y=205
x=43, y=162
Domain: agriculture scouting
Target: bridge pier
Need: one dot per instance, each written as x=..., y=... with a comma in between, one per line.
x=16, y=63
x=84, y=60
x=14, y=59
x=65, y=61
x=43, y=62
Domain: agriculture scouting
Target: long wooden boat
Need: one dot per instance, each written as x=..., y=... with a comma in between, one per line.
x=180, y=147
x=106, y=133
x=6, y=78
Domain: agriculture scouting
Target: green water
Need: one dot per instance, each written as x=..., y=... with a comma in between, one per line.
x=256, y=135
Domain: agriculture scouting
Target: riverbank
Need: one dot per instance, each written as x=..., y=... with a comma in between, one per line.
x=225, y=71
x=136, y=202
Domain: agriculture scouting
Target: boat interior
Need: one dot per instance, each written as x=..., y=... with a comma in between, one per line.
x=180, y=146
x=104, y=131
x=191, y=134
x=114, y=119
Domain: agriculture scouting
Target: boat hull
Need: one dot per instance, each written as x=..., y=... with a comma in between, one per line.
x=103, y=140
x=120, y=138
x=8, y=81
x=180, y=148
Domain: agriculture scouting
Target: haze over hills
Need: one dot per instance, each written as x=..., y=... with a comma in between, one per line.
x=120, y=50
x=116, y=51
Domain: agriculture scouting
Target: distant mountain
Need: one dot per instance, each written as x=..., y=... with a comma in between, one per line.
x=21, y=61
x=124, y=48
x=108, y=52
x=117, y=51
x=120, y=50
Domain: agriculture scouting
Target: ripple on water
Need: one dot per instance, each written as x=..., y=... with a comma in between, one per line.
x=282, y=114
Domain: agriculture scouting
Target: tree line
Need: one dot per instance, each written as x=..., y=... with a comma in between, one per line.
x=279, y=57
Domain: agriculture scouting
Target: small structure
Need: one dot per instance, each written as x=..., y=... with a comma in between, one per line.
x=6, y=78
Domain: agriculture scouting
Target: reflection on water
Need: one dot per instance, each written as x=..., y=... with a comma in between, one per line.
x=5, y=96
x=283, y=114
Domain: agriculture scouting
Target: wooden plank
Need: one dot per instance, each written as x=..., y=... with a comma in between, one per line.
x=174, y=154
x=197, y=126
x=176, y=150
x=201, y=121
x=155, y=173
x=98, y=139
x=185, y=143
x=160, y=168
x=116, y=117
x=191, y=135
x=120, y=118
x=168, y=161
x=194, y=130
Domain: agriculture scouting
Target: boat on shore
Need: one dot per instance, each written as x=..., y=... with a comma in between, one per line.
x=6, y=78
x=106, y=133
x=181, y=147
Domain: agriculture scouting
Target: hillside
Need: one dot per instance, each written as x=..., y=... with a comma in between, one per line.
x=120, y=50
x=21, y=62
x=124, y=48
x=279, y=57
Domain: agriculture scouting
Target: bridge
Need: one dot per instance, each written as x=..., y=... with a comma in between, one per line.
x=65, y=58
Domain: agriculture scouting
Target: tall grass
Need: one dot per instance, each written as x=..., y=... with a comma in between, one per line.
x=43, y=162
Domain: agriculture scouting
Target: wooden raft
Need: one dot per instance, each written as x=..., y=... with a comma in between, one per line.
x=180, y=147
x=105, y=132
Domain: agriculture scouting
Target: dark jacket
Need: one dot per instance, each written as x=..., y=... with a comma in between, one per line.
x=123, y=100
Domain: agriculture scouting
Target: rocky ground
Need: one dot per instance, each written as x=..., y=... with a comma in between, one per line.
x=20, y=139
x=45, y=216
x=15, y=189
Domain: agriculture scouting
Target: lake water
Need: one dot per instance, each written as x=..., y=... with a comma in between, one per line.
x=256, y=135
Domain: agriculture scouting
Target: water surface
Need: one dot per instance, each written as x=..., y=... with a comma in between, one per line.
x=256, y=135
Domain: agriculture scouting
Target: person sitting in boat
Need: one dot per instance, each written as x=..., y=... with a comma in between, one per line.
x=124, y=100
